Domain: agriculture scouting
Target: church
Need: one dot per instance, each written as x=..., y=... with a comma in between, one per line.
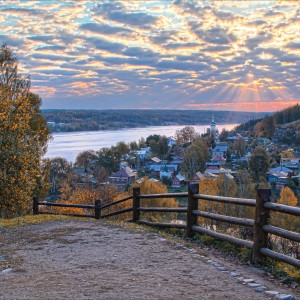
x=213, y=130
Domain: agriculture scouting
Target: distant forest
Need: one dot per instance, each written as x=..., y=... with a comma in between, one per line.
x=83, y=120
x=289, y=116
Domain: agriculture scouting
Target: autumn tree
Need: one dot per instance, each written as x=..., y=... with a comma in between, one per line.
x=185, y=135
x=84, y=158
x=150, y=187
x=269, y=126
x=194, y=159
x=285, y=221
x=259, y=163
x=239, y=146
x=60, y=169
x=224, y=135
x=23, y=138
x=159, y=147
x=109, y=159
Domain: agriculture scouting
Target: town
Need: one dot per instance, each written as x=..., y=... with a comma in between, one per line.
x=261, y=153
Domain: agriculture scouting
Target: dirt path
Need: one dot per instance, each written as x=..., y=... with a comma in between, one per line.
x=88, y=260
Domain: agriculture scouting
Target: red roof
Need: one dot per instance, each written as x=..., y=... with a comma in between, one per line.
x=218, y=158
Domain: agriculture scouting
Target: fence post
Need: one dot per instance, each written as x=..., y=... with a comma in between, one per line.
x=35, y=208
x=97, y=209
x=191, y=219
x=262, y=216
x=136, y=205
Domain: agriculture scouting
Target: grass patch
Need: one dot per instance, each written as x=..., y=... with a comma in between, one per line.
x=30, y=219
x=282, y=271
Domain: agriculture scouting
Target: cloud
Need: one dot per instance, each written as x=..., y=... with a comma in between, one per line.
x=10, y=41
x=262, y=37
x=293, y=45
x=116, y=11
x=22, y=11
x=124, y=53
x=104, y=29
x=216, y=35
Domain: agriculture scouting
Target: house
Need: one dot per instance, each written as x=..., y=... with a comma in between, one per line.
x=213, y=169
x=210, y=175
x=196, y=178
x=281, y=169
x=171, y=142
x=158, y=168
x=124, y=164
x=155, y=160
x=219, y=150
x=143, y=153
x=122, y=177
x=165, y=172
x=178, y=180
x=218, y=159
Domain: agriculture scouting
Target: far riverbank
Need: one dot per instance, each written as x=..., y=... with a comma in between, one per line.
x=69, y=144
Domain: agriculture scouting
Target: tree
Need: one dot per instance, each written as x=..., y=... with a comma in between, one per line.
x=259, y=163
x=223, y=135
x=109, y=159
x=287, y=197
x=84, y=159
x=239, y=146
x=269, y=126
x=122, y=148
x=159, y=147
x=195, y=158
x=23, y=138
x=60, y=169
x=185, y=135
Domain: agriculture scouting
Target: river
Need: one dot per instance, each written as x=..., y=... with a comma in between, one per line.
x=69, y=144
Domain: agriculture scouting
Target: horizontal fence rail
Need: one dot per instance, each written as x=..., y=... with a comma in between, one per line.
x=224, y=237
x=163, y=209
x=293, y=236
x=116, y=202
x=260, y=224
x=67, y=205
x=229, y=200
x=169, y=195
x=222, y=218
x=278, y=256
x=295, y=211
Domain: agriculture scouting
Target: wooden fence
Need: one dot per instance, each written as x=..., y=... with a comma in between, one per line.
x=260, y=224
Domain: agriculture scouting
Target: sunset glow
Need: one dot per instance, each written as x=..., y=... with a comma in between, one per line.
x=220, y=55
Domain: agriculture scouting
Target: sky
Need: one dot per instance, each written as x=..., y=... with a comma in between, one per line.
x=219, y=55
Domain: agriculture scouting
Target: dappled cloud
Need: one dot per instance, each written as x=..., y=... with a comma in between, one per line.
x=229, y=55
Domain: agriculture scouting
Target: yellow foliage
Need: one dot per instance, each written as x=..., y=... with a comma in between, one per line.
x=282, y=220
x=149, y=187
x=22, y=143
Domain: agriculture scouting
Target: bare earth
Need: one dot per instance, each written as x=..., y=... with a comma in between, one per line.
x=91, y=260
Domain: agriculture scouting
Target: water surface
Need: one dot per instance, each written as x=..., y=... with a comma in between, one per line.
x=69, y=144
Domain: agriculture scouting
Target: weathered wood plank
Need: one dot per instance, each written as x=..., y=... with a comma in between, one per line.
x=287, y=259
x=262, y=216
x=295, y=211
x=116, y=202
x=67, y=205
x=169, y=195
x=229, y=200
x=164, y=209
x=222, y=218
x=293, y=236
x=224, y=237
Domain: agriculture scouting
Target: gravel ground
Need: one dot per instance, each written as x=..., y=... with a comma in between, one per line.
x=92, y=260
